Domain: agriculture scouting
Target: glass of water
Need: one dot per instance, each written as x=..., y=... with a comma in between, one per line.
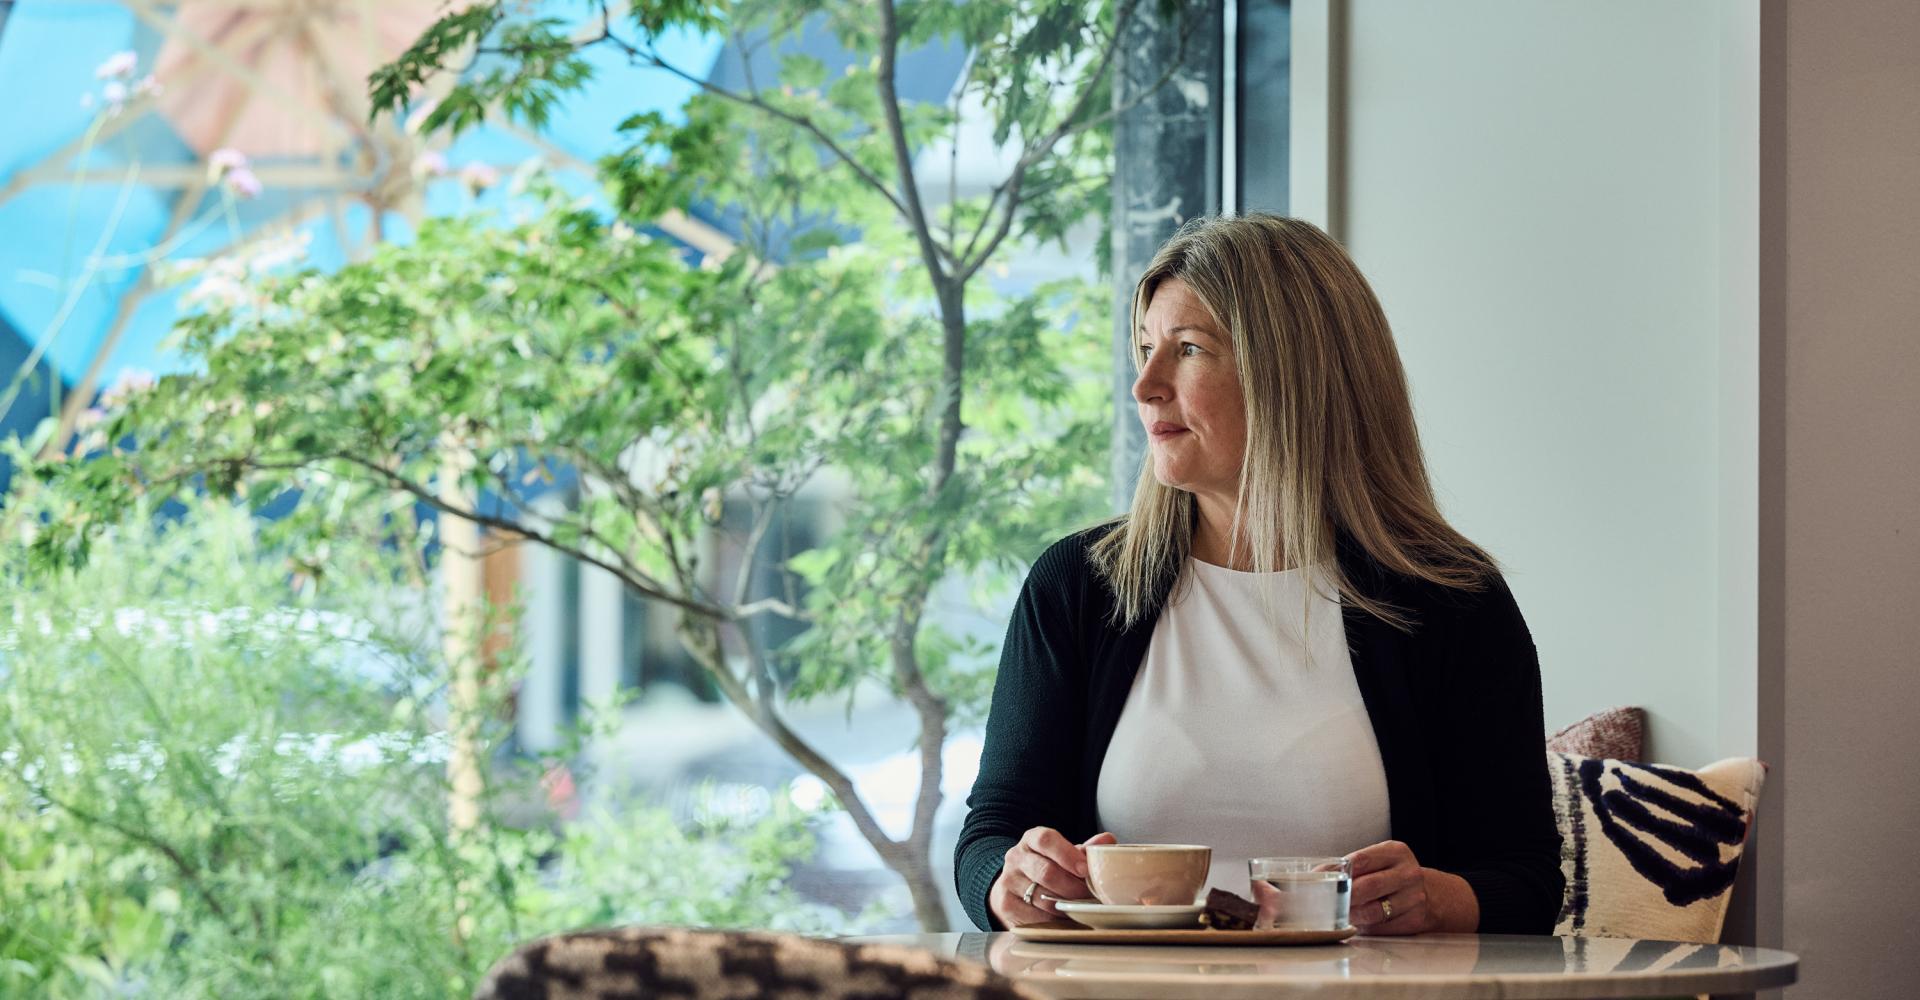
x=1302, y=894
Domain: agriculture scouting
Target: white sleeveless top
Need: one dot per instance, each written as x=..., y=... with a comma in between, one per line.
x=1233, y=736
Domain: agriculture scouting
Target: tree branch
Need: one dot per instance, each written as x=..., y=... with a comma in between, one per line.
x=974, y=257
x=652, y=58
x=640, y=582
x=762, y=518
x=902, y=155
x=172, y=854
x=953, y=161
x=749, y=557
x=1174, y=65
x=933, y=722
x=770, y=605
x=706, y=649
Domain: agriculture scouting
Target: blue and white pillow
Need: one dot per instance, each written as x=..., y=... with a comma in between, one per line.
x=1650, y=851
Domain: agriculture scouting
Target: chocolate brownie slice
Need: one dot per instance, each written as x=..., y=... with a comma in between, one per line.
x=1228, y=912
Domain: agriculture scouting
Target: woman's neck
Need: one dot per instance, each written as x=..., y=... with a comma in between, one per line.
x=1213, y=536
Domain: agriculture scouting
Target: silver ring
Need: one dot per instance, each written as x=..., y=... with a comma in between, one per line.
x=1386, y=908
x=1027, y=897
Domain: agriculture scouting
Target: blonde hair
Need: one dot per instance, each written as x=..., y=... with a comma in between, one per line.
x=1331, y=446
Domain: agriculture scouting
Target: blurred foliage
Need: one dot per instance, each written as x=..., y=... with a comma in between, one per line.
x=220, y=780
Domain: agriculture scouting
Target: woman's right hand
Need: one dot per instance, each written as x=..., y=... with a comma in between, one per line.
x=1055, y=868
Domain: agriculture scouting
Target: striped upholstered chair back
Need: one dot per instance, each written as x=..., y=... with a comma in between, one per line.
x=634, y=963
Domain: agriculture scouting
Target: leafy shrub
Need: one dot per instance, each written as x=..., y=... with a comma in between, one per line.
x=219, y=778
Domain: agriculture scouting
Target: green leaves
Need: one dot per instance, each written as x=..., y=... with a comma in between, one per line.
x=664, y=166
x=730, y=869
x=221, y=780
x=546, y=66
x=562, y=343
x=802, y=72
x=656, y=16
x=522, y=68
x=393, y=85
x=172, y=713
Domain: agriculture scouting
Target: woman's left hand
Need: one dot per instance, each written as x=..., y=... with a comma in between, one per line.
x=1392, y=894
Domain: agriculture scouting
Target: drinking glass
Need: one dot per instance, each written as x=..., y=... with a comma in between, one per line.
x=1302, y=893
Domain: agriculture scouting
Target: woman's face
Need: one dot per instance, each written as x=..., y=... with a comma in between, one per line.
x=1189, y=394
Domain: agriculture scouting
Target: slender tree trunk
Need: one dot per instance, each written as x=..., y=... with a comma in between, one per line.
x=953, y=323
x=917, y=868
x=461, y=595
x=950, y=290
x=927, y=907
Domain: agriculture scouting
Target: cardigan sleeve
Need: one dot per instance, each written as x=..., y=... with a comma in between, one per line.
x=1501, y=836
x=1030, y=759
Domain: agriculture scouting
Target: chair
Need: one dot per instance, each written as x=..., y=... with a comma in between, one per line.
x=635, y=963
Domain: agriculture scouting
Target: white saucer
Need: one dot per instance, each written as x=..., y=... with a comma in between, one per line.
x=1101, y=916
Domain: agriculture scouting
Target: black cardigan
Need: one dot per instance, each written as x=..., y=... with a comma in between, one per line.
x=1455, y=707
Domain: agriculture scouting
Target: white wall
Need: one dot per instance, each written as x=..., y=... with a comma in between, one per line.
x=1540, y=195
x=1738, y=510
x=1739, y=377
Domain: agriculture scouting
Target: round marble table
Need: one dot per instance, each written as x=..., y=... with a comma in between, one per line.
x=1430, y=967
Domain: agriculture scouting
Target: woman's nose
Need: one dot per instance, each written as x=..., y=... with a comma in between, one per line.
x=1150, y=384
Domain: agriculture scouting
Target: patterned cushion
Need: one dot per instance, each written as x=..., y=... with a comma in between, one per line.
x=1616, y=734
x=1650, y=851
x=638, y=962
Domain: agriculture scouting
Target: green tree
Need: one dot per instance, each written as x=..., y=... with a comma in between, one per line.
x=851, y=332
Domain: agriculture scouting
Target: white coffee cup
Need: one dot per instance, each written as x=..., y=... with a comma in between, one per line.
x=1148, y=874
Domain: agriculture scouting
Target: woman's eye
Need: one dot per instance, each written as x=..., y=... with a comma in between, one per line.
x=1187, y=350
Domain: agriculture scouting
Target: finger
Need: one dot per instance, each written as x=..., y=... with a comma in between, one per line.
x=1381, y=884
x=1098, y=839
x=1267, y=898
x=1015, y=912
x=1050, y=844
x=1405, y=906
x=1050, y=882
x=1417, y=921
x=1051, y=878
x=1379, y=856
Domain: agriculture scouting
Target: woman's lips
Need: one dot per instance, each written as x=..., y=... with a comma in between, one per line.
x=1163, y=429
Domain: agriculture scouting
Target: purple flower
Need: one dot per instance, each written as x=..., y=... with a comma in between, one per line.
x=120, y=65
x=243, y=182
x=226, y=158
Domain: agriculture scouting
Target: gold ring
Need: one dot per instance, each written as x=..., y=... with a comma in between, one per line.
x=1386, y=908
x=1027, y=897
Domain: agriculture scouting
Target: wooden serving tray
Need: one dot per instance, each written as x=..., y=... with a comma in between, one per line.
x=1068, y=932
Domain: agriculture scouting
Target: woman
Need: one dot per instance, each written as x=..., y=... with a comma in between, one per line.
x=1283, y=648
